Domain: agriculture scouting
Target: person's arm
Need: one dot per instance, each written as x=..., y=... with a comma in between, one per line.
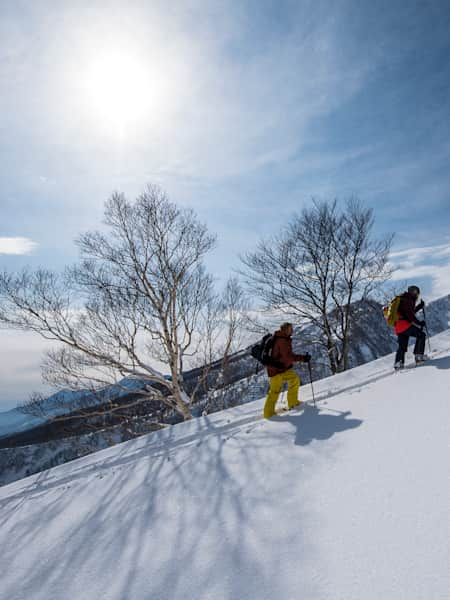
x=419, y=306
x=415, y=319
x=288, y=356
x=302, y=357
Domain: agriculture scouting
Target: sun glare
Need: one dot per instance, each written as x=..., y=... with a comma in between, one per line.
x=119, y=89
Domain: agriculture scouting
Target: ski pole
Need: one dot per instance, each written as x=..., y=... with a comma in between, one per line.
x=311, y=381
x=426, y=328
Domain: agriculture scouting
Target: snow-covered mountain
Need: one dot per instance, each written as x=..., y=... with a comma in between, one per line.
x=63, y=402
x=14, y=420
x=347, y=500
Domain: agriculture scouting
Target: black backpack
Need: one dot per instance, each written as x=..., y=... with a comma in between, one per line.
x=262, y=351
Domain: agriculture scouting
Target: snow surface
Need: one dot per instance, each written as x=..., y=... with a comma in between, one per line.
x=346, y=501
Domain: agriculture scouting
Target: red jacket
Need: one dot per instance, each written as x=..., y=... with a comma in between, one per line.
x=282, y=352
x=407, y=312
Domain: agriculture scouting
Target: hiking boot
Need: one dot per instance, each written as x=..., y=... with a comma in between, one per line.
x=293, y=405
x=399, y=365
x=420, y=358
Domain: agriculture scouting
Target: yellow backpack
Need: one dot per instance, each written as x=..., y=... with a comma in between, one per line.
x=391, y=311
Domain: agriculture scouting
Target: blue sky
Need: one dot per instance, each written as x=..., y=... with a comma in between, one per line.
x=249, y=110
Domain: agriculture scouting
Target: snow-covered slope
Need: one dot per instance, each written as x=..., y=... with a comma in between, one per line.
x=346, y=501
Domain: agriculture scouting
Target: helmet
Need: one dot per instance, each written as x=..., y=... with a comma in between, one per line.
x=414, y=290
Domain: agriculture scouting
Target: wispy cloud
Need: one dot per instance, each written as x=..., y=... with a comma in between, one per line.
x=17, y=245
x=422, y=253
x=230, y=101
x=244, y=120
x=427, y=263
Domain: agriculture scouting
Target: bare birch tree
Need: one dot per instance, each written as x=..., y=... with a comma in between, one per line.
x=234, y=306
x=317, y=267
x=134, y=298
x=222, y=335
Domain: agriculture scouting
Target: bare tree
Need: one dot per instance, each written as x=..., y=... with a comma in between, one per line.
x=317, y=267
x=234, y=307
x=223, y=330
x=135, y=297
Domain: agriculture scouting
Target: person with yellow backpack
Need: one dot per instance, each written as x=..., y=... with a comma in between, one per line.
x=401, y=314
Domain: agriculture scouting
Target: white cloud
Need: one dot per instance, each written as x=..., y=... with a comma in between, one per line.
x=16, y=245
x=422, y=263
x=423, y=252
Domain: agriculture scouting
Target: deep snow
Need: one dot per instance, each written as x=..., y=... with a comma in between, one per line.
x=349, y=500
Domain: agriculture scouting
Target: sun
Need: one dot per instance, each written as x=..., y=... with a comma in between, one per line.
x=118, y=86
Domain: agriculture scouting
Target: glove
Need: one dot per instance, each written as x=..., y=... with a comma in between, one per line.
x=420, y=306
x=306, y=357
x=421, y=324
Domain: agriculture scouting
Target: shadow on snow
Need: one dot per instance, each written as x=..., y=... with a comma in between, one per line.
x=312, y=424
x=439, y=363
x=162, y=508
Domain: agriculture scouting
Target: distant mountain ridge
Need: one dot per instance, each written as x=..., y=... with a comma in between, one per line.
x=63, y=402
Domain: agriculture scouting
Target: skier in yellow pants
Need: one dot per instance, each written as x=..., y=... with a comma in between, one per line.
x=281, y=372
x=276, y=384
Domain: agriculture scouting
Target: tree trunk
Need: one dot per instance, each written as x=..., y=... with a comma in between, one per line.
x=182, y=403
x=182, y=400
x=332, y=355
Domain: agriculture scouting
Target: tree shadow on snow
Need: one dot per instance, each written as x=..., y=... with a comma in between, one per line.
x=312, y=424
x=165, y=503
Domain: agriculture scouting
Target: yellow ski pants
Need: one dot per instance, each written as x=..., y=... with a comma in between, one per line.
x=276, y=384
